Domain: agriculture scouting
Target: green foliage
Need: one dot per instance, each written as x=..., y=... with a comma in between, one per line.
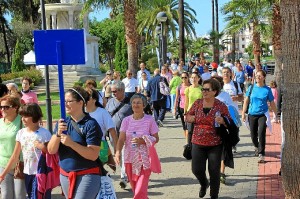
x=17, y=59
x=78, y=83
x=121, y=59
x=104, y=67
x=107, y=31
x=249, y=50
x=152, y=64
x=34, y=74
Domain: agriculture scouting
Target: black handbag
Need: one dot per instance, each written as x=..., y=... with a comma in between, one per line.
x=187, y=151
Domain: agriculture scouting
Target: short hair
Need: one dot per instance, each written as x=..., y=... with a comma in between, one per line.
x=91, y=82
x=262, y=72
x=215, y=85
x=13, y=100
x=13, y=85
x=140, y=96
x=3, y=90
x=176, y=72
x=94, y=94
x=219, y=79
x=119, y=85
x=227, y=68
x=28, y=79
x=32, y=110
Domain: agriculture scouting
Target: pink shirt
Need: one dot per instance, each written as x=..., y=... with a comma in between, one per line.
x=168, y=76
x=29, y=97
x=145, y=127
x=182, y=96
x=275, y=94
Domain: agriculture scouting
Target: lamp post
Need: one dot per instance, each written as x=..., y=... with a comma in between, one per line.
x=162, y=18
x=48, y=99
x=158, y=33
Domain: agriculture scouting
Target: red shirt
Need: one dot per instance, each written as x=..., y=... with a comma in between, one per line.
x=204, y=133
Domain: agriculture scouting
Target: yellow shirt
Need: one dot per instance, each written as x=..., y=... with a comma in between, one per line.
x=193, y=94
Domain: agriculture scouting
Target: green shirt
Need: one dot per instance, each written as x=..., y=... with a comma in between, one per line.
x=174, y=83
x=8, y=132
x=193, y=94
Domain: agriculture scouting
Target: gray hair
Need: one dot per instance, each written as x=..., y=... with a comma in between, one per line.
x=119, y=85
x=13, y=84
x=140, y=96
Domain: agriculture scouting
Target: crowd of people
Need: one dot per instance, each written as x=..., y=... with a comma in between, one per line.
x=119, y=126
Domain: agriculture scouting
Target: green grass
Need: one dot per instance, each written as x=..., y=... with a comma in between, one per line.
x=53, y=96
x=55, y=112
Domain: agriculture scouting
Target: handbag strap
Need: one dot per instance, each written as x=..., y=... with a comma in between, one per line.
x=75, y=126
x=117, y=109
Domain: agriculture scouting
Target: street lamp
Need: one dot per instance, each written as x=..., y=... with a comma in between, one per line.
x=158, y=34
x=162, y=18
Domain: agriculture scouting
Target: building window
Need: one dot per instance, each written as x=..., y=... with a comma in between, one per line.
x=243, y=46
x=243, y=39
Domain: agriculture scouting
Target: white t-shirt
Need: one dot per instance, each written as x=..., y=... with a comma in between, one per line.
x=104, y=120
x=205, y=76
x=231, y=90
x=229, y=65
x=31, y=155
x=130, y=84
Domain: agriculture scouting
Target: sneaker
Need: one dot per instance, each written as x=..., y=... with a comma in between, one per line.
x=223, y=178
x=256, y=152
x=203, y=190
x=160, y=124
x=123, y=183
x=234, y=149
x=261, y=158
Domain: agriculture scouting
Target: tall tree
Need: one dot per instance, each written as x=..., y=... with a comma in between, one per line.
x=181, y=30
x=4, y=27
x=254, y=11
x=290, y=13
x=213, y=14
x=217, y=41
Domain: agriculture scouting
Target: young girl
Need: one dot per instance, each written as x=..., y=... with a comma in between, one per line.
x=31, y=140
x=273, y=87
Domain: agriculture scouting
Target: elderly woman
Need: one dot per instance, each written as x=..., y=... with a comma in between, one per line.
x=139, y=133
x=10, y=124
x=258, y=96
x=206, y=114
x=77, y=140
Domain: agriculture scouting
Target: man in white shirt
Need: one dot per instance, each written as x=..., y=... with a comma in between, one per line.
x=143, y=69
x=131, y=84
x=229, y=64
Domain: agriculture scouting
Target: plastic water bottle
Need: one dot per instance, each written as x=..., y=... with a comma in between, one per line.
x=133, y=144
x=218, y=114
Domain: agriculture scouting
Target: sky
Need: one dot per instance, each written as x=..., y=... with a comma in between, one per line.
x=203, y=11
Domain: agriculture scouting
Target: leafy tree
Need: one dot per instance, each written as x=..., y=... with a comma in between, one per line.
x=17, y=59
x=201, y=46
x=248, y=13
x=4, y=27
x=121, y=63
x=107, y=31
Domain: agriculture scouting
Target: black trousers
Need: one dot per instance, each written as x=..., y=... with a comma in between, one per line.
x=159, y=109
x=258, y=127
x=181, y=110
x=200, y=155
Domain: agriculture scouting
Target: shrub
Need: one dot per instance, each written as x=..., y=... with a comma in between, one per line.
x=152, y=64
x=78, y=83
x=17, y=59
x=34, y=74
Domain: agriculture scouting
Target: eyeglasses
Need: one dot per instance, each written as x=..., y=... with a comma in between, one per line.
x=184, y=77
x=206, y=89
x=114, y=91
x=70, y=101
x=5, y=107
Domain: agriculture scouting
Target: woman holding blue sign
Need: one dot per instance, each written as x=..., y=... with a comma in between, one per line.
x=77, y=140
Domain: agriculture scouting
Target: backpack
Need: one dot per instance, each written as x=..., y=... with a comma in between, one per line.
x=163, y=87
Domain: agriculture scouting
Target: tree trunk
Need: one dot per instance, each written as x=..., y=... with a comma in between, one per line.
x=233, y=46
x=213, y=14
x=290, y=11
x=256, y=43
x=131, y=33
x=276, y=41
x=181, y=30
x=3, y=30
x=217, y=50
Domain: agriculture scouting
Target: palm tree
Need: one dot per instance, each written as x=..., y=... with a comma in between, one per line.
x=4, y=27
x=147, y=21
x=290, y=13
x=201, y=46
x=181, y=30
x=248, y=13
x=215, y=37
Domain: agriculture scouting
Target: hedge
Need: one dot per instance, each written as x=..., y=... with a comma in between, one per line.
x=34, y=74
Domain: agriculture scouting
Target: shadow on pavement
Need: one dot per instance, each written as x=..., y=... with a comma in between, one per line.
x=173, y=182
x=173, y=159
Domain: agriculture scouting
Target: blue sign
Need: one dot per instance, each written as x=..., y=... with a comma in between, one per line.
x=72, y=46
x=60, y=47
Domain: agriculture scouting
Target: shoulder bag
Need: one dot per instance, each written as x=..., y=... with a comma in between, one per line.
x=249, y=98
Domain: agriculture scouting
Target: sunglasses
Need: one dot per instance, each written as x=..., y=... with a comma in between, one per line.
x=184, y=77
x=5, y=107
x=206, y=89
x=114, y=91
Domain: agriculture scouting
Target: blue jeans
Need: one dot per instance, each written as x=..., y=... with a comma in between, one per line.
x=159, y=109
x=87, y=186
x=173, y=97
x=12, y=188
